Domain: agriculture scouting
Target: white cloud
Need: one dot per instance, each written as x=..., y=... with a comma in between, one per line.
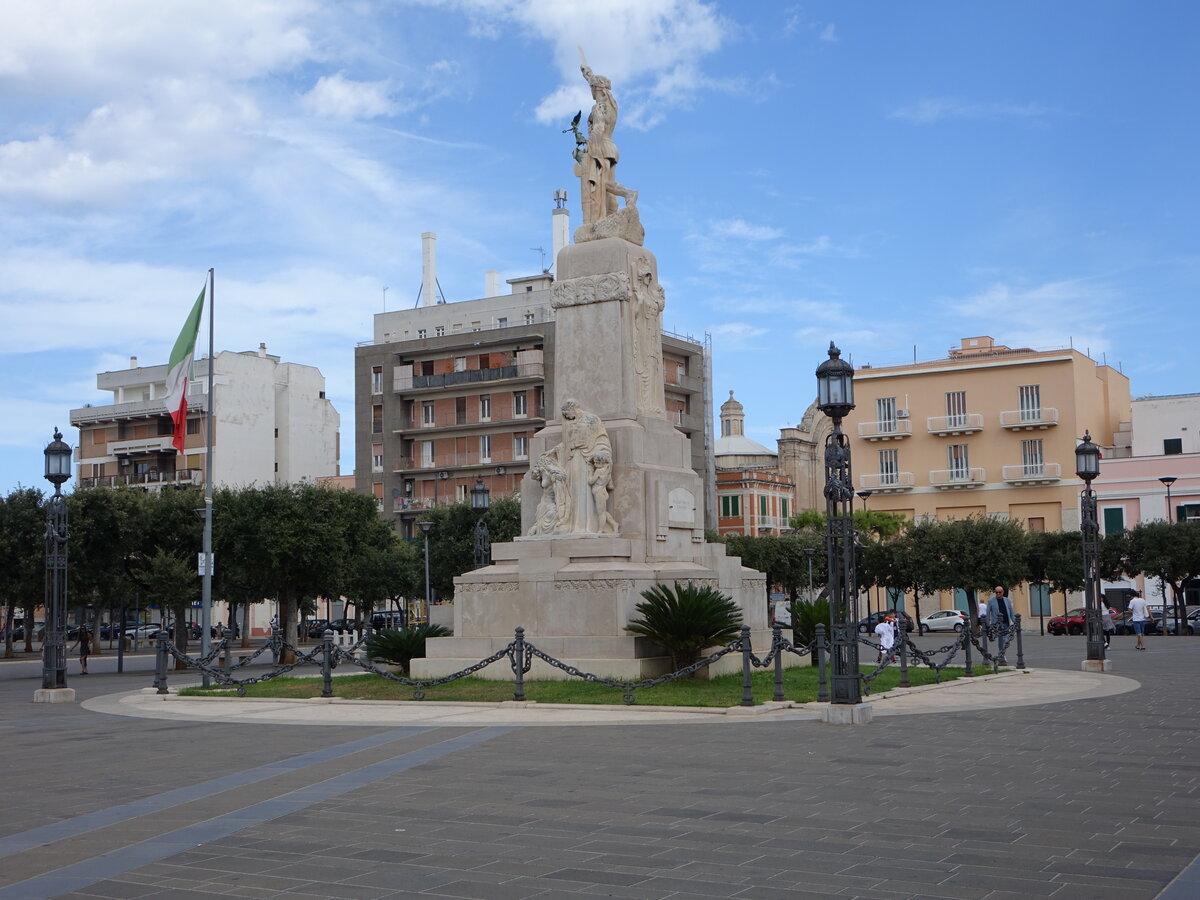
x=651, y=49
x=1035, y=316
x=934, y=109
x=337, y=97
x=740, y=228
x=829, y=33
x=735, y=335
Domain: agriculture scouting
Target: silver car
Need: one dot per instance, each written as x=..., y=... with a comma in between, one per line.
x=944, y=620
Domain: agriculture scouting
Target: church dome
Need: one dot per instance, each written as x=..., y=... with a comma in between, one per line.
x=733, y=441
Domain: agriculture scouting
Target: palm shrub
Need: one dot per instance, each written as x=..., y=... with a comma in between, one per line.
x=684, y=620
x=402, y=646
x=806, y=616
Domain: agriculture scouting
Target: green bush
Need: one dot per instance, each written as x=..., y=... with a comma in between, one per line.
x=806, y=616
x=685, y=620
x=401, y=647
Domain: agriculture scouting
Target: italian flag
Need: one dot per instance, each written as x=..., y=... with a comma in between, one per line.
x=180, y=372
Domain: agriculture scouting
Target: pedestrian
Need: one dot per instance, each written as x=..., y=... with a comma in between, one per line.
x=85, y=648
x=1139, y=615
x=981, y=609
x=1001, y=618
x=886, y=632
x=1107, y=625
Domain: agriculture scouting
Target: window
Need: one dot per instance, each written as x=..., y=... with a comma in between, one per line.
x=321, y=394
x=956, y=409
x=731, y=506
x=193, y=427
x=520, y=404
x=957, y=462
x=485, y=407
x=885, y=414
x=426, y=454
x=377, y=458
x=1037, y=524
x=166, y=426
x=428, y=414
x=783, y=508
x=520, y=447
x=377, y=379
x=1032, y=463
x=475, y=326
x=421, y=334
x=762, y=506
x=502, y=321
x=1171, y=446
x=528, y=318
x=439, y=331
x=889, y=467
x=377, y=419
x=1039, y=599
x=460, y=364
x=276, y=434
x=1114, y=520
x=1030, y=398
x=485, y=448
x=460, y=410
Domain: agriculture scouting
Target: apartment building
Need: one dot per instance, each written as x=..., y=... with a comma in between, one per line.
x=754, y=496
x=447, y=393
x=273, y=424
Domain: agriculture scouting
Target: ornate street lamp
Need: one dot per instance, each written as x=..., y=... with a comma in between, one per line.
x=54, y=654
x=425, y=526
x=835, y=398
x=1167, y=481
x=810, y=552
x=480, y=501
x=1087, y=467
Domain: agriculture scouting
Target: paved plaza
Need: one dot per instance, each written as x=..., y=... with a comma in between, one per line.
x=1095, y=797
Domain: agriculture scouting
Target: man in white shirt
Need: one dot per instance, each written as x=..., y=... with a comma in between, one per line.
x=1139, y=615
x=886, y=632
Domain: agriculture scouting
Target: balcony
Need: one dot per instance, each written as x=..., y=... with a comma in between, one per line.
x=138, y=409
x=141, y=445
x=405, y=464
x=888, y=482
x=963, y=423
x=1040, y=473
x=957, y=479
x=453, y=421
x=1029, y=419
x=145, y=479
x=886, y=430
x=403, y=382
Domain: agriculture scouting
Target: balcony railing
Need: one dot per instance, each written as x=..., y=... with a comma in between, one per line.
x=1038, y=473
x=886, y=430
x=962, y=423
x=453, y=420
x=180, y=476
x=1029, y=419
x=140, y=445
x=471, y=376
x=137, y=409
x=454, y=460
x=887, y=482
x=952, y=479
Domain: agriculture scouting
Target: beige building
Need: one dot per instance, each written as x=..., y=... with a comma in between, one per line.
x=754, y=496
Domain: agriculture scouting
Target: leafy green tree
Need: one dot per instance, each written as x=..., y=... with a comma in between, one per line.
x=1168, y=550
x=808, y=520
x=976, y=553
x=22, y=560
x=452, y=539
x=1058, y=557
x=383, y=577
x=685, y=619
x=169, y=580
x=400, y=647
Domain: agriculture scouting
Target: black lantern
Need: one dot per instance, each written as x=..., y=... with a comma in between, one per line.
x=480, y=496
x=58, y=460
x=835, y=385
x=1087, y=458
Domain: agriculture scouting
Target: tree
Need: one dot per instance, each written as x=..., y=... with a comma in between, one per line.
x=974, y=553
x=383, y=577
x=1059, y=556
x=169, y=579
x=452, y=539
x=1169, y=550
x=22, y=560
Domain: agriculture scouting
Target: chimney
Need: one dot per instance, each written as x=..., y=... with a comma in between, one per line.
x=262, y=349
x=428, y=269
x=133, y=362
x=491, y=283
x=560, y=224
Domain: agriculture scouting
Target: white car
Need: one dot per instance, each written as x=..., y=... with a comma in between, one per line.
x=944, y=620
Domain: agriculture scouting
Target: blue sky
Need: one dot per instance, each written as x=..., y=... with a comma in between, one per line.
x=883, y=175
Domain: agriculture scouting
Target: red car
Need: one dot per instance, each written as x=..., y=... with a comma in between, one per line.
x=1073, y=622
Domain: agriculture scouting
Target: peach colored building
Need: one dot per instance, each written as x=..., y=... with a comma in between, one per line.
x=754, y=496
x=987, y=430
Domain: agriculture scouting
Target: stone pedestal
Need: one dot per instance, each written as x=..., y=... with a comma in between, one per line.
x=848, y=714
x=54, y=695
x=575, y=593
x=1096, y=665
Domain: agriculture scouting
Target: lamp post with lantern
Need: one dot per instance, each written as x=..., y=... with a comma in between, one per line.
x=480, y=502
x=425, y=526
x=835, y=398
x=1087, y=467
x=54, y=652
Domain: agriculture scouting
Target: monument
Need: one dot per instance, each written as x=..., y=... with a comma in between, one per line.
x=610, y=506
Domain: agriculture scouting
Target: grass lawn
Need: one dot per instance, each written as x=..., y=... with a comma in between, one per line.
x=799, y=684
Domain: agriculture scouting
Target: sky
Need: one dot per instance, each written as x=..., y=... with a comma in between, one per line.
x=893, y=177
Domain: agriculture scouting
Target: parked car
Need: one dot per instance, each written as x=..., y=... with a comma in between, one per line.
x=316, y=628
x=1074, y=622
x=868, y=624
x=944, y=620
x=1190, y=625
x=145, y=632
x=389, y=619
x=341, y=626
x=39, y=630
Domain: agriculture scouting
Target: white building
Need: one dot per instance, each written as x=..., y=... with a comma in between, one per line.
x=273, y=425
x=1166, y=426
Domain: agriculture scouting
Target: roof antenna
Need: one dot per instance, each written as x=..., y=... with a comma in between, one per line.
x=542, y=251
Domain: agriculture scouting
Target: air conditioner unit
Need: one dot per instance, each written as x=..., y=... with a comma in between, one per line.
x=124, y=462
x=902, y=414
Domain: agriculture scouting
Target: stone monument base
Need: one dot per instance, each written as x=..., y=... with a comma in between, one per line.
x=574, y=596
x=54, y=695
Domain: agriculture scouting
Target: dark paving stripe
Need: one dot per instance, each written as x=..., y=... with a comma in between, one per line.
x=117, y=862
x=1186, y=885
x=46, y=834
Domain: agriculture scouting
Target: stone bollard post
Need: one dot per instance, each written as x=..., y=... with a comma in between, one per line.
x=819, y=650
x=1020, y=643
x=777, y=647
x=966, y=639
x=327, y=663
x=518, y=663
x=747, y=686
x=160, y=665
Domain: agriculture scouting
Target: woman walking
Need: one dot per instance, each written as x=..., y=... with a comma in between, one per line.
x=85, y=648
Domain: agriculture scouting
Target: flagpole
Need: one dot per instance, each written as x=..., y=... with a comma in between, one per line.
x=206, y=581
